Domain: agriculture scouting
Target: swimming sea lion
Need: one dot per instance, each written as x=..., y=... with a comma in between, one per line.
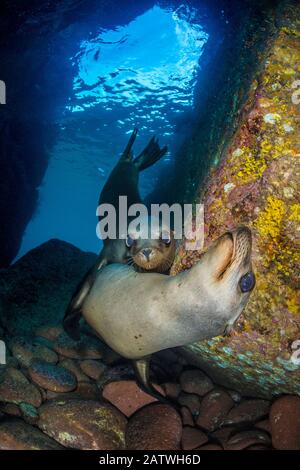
x=145, y=254
x=138, y=314
x=123, y=181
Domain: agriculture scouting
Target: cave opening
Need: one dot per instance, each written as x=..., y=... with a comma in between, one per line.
x=79, y=78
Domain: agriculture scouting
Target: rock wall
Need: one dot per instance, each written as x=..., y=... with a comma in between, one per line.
x=257, y=184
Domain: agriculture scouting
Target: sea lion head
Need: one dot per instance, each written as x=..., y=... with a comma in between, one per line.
x=228, y=272
x=152, y=247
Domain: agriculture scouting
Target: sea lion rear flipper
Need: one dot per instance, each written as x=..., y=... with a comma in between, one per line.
x=142, y=369
x=151, y=154
x=71, y=321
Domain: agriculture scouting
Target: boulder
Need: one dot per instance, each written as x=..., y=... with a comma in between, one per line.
x=16, y=388
x=154, y=427
x=285, y=423
x=37, y=289
x=17, y=435
x=83, y=424
x=52, y=377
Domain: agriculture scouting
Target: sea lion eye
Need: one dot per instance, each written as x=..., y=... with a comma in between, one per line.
x=130, y=241
x=247, y=282
x=166, y=238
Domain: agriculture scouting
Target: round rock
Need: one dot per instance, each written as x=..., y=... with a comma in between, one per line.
x=195, y=381
x=285, y=423
x=172, y=389
x=52, y=377
x=154, y=427
x=26, y=351
x=16, y=388
x=245, y=439
x=214, y=409
x=18, y=435
x=248, y=411
x=191, y=401
x=74, y=367
x=93, y=369
x=83, y=424
x=89, y=347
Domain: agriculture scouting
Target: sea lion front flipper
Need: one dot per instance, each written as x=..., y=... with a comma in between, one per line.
x=71, y=321
x=142, y=370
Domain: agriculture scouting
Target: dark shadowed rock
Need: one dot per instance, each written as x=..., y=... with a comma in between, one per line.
x=89, y=347
x=83, y=424
x=10, y=409
x=248, y=411
x=26, y=350
x=264, y=425
x=191, y=401
x=38, y=287
x=172, y=389
x=93, y=369
x=154, y=427
x=214, y=409
x=29, y=413
x=49, y=332
x=16, y=388
x=52, y=377
x=17, y=435
x=73, y=366
x=195, y=381
x=88, y=391
x=192, y=438
x=245, y=439
x=222, y=435
x=127, y=396
x=285, y=423
x=186, y=416
x=210, y=447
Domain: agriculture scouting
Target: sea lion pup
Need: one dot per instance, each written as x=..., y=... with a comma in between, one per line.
x=144, y=254
x=151, y=248
x=138, y=314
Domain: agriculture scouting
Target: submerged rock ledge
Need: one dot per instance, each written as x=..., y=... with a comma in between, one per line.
x=257, y=184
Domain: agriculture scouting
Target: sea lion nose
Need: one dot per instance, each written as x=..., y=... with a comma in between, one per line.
x=147, y=252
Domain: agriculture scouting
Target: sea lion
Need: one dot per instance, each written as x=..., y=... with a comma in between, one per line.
x=144, y=253
x=123, y=181
x=138, y=314
x=152, y=248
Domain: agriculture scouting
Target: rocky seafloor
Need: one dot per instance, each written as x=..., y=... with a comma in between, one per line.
x=55, y=394
x=59, y=394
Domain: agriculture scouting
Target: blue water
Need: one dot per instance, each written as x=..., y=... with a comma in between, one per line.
x=143, y=73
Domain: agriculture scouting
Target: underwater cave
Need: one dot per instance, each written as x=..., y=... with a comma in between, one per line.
x=79, y=78
x=215, y=82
